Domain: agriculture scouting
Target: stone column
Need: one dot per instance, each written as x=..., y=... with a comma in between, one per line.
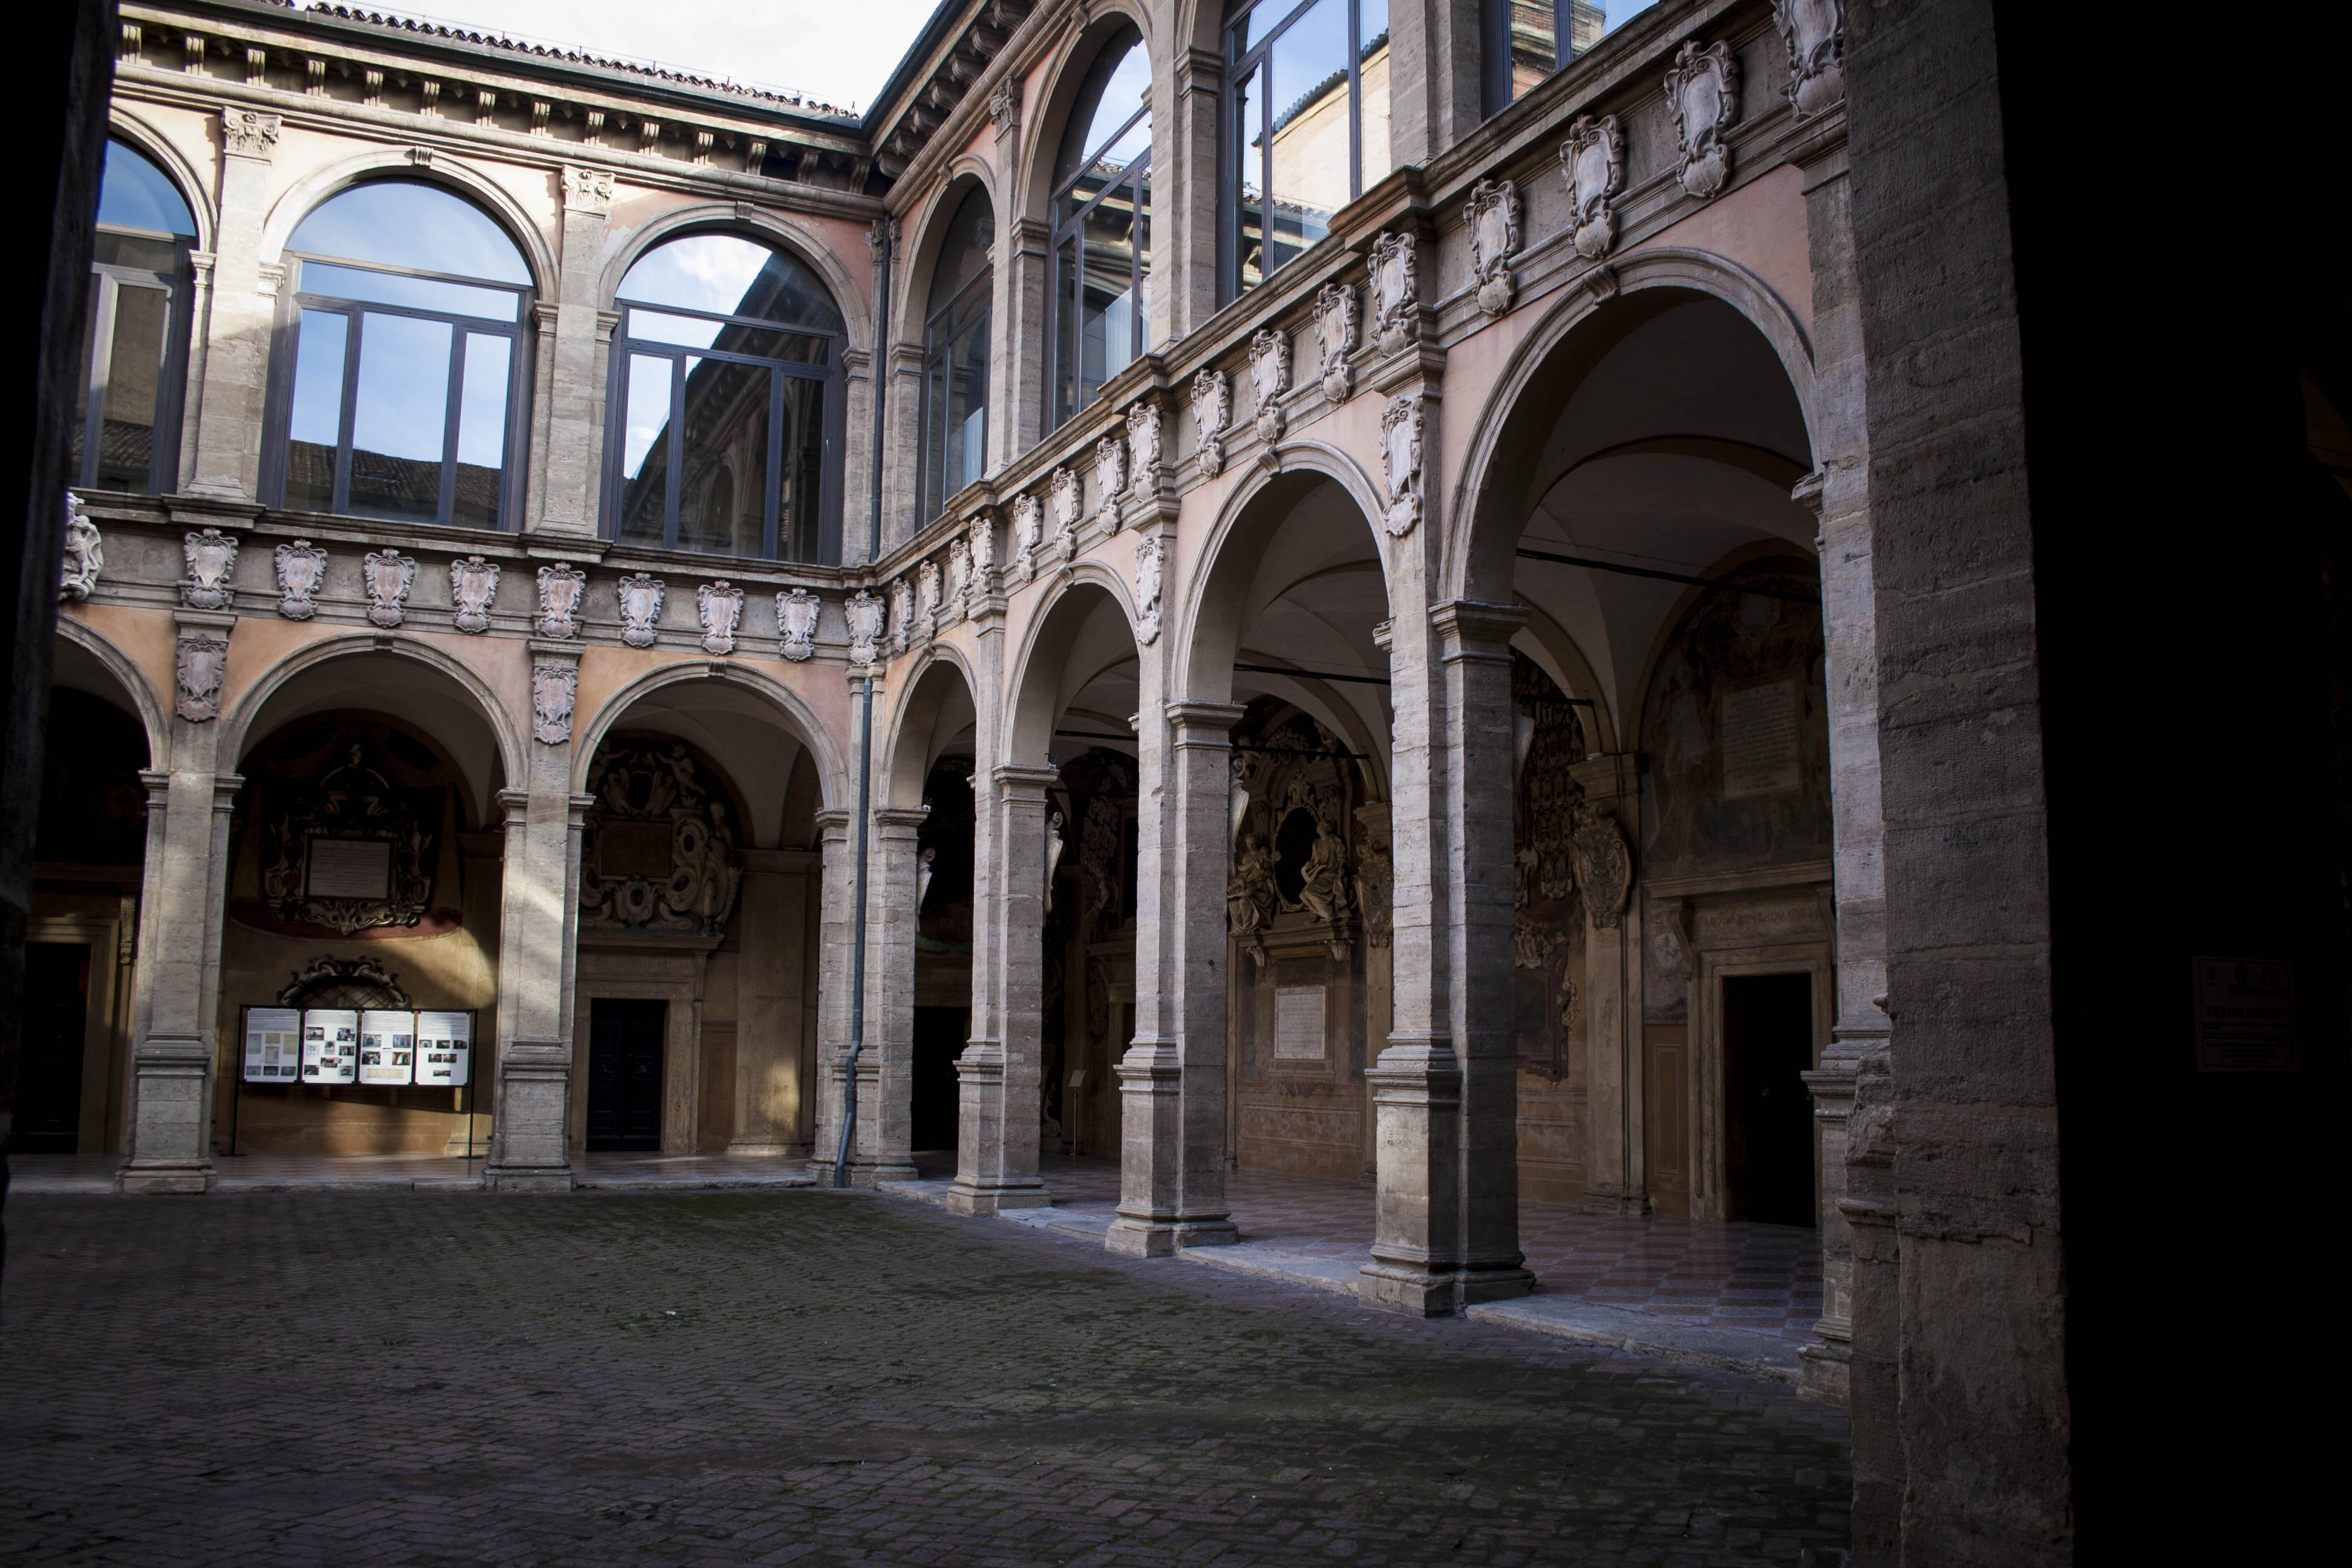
x=882, y=1146
x=1018, y=404
x=1186, y=85
x=243, y=318
x=1616, y=1177
x=1172, y=1079
x=837, y=894
x=998, y=1077
x=176, y=1005
x=1436, y=97
x=769, y=1089
x=572, y=343
x=1375, y=894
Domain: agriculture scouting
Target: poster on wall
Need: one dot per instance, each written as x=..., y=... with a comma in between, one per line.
x=387, y=1047
x=330, y=1045
x=444, y=1042
x=273, y=1045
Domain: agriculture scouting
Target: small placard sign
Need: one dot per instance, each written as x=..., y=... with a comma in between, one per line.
x=330, y=1045
x=2245, y=1014
x=444, y=1044
x=387, y=1047
x=273, y=1045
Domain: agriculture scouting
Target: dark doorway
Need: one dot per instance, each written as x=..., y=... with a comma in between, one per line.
x=625, y=1074
x=940, y=1035
x=49, y=1070
x=1768, y=1041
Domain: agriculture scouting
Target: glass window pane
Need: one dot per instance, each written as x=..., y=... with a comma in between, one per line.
x=1107, y=313
x=1587, y=21
x=728, y=276
x=1143, y=253
x=416, y=293
x=1249, y=100
x=141, y=251
x=727, y=337
x=645, y=450
x=725, y=425
x=400, y=417
x=801, y=478
x=318, y=420
x=134, y=193
x=126, y=442
x=1372, y=77
x=402, y=222
x=1307, y=87
x=1116, y=86
x=483, y=398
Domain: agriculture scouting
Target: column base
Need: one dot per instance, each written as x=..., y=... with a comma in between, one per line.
x=184, y=1178
x=1163, y=1237
x=1442, y=1293
x=863, y=1174
x=768, y=1149
x=528, y=1179
x=978, y=1198
x=1825, y=1367
x=1611, y=1200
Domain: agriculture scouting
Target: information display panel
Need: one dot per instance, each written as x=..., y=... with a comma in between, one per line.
x=273, y=1045
x=445, y=1048
x=387, y=1047
x=330, y=1045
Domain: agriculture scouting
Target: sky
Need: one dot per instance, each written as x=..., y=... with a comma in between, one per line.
x=839, y=51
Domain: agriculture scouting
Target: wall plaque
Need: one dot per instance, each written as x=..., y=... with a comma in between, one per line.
x=2245, y=1014
x=348, y=868
x=387, y=1047
x=443, y=1049
x=1298, y=1024
x=273, y=1045
x=330, y=1045
x=1761, y=741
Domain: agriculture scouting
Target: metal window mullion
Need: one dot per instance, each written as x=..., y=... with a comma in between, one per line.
x=771, y=512
x=340, y=493
x=1135, y=269
x=673, y=482
x=510, y=473
x=1355, y=106
x=447, y=510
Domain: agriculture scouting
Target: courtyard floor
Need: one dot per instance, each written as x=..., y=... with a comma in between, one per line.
x=438, y=1378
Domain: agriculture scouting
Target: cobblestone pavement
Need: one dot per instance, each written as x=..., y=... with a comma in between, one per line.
x=439, y=1379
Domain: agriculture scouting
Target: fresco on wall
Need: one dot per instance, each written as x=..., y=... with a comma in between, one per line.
x=1735, y=734
x=1547, y=931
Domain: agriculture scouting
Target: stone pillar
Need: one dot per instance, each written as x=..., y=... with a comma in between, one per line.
x=243, y=317
x=1873, y=1340
x=1616, y=1178
x=837, y=894
x=1380, y=989
x=1186, y=84
x=769, y=1089
x=882, y=1145
x=998, y=1077
x=1436, y=97
x=1172, y=1080
x=176, y=1005
x=573, y=340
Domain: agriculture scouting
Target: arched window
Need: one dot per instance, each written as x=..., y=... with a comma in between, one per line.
x=398, y=385
x=725, y=404
x=1306, y=124
x=1102, y=225
x=1523, y=39
x=955, y=358
x=128, y=435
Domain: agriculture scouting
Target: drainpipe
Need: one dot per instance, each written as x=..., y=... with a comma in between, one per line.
x=886, y=231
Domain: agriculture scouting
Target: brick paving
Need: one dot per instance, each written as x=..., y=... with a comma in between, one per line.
x=431, y=1379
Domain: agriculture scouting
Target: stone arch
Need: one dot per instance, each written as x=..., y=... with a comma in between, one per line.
x=120, y=667
x=625, y=249
x=1036, y=687
x=123, y=124
x=1043, y=127
x=929, y=224
x=298, y=200
x=1555, y=647
x=1477, y=561
x=928, y=691
x=800, y=719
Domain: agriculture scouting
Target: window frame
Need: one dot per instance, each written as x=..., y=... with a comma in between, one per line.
x=1061, y=335
x=974, y=302
x=829, y=374
x=108, y=280
x=1495, y=44
x=293, y=301
x=1240, y=66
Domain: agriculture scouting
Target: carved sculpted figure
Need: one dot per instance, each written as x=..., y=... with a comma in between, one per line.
x=203, y=660
x=1323, y=880
x=864, y=613
x=796, y=625
x=1335, y=330
x=387, y=575
x=1400, y=458
x=1250, y=894
x=640, y=595
x=1143, y=446
x=302, y=569
x=1053, y=857
x=1814, y=31
x=720, y=605
x=1213, y=396
x=473, y=588
x=1111, y=476
x=1593, y=161
x=1396, y=290
x=902, y=615
x=1493, y=216
x=1269, y=378
x=1066, y=512
x=1150, y=561
x=211, y=557
x=553, y=688
x=1704, y=87
x=561, y=588
x=1028, y=527
x=1375, y=892
x=78, y=574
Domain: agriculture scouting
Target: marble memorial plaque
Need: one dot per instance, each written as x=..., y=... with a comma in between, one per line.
x=1298, y=1024
x=2245, y=1014
x=349, y=869
x=1761, y=738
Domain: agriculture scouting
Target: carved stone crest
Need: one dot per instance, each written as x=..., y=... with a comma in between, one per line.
x=982, y=535
x=202, y=661
x=1269, y=378
x=387, y=575
x=1143, y=446
x=720, y=605
x=902, y=615
x=301, y=569
x=1150, y=564
x=1375, y=893
x=561, y=588
x=587, y=190
x=1335, y=330
x=1005, y=105
x=1212, y=398
x=1814, y=31
x=864, y=613
x=473, y=588
x=659, y=850
x=1028, y=526
x=796, y=611
x=1704, y=87
x=959, y=583
x=1066, y=512
x=351, y=849
x=1604, y=865
x=1493, y=216
x=640, y=595
x=1110, y=475
x=553, y=688
x=1593, y=161
x=927, y=598
x=84, y=556
x=1401, y=459
x=248, y=133
x=211, y=558
x=1396, y=290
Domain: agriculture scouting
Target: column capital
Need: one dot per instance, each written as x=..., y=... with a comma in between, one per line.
x=900, y=818
x=1471, y=629
x=225, y=788
x=1207, y=718
x=1011, y=777
x=834, y=822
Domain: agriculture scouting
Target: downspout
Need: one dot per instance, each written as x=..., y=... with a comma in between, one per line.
x=885, y=229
